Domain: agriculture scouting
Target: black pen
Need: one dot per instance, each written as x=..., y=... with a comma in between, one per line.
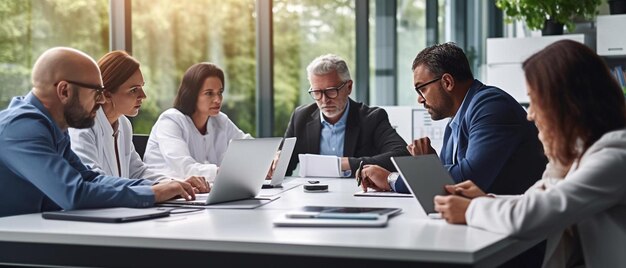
x=358, y=174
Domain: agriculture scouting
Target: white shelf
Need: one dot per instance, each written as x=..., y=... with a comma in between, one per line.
x=506, y=55
x=611, y=37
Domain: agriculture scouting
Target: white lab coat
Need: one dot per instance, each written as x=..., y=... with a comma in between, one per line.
x=591, y=198
x=177, y=148
x=95, y=147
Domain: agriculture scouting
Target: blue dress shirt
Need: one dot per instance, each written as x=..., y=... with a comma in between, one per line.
x=333, y=136
x=496, y=147
x=39, y=171
x=453, y=126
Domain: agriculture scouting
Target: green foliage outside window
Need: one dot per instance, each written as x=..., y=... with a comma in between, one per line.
x=536, y=12
x=29, y=27
x=169, y=36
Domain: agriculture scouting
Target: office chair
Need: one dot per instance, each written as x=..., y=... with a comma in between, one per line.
x=140, y=141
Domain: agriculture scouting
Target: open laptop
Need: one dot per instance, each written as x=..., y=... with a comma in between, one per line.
x=241, y=174
x=281, y=165
x=425, y=177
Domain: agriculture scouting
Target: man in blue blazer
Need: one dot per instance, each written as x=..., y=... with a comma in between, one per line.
x=488, y=138
x=38, y=170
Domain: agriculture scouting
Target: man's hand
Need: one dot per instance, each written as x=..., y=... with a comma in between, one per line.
x=421, y=146
x=199, y=184
x=452, y=208
x=345, y=164
x=466, y=189
x=270, y=173
x=167, y=190
x=374, y=177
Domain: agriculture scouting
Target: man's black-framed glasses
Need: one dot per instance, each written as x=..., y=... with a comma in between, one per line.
x=331, y=92
x=98, y=88
x=418, y=89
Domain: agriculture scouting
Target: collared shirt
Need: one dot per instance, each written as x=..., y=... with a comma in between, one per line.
x=452, y=142
x=454, y=127
x=40, y=172
x=333, y=136
x=96, y=148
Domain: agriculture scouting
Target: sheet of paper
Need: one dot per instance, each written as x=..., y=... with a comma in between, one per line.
x=374, y=193
x=314, y=165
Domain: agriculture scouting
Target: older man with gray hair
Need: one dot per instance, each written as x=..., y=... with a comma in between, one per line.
x=337, y=125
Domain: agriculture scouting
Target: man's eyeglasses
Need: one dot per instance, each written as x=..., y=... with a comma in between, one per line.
x=418, y=89
x=331, y=92
x=98, y=88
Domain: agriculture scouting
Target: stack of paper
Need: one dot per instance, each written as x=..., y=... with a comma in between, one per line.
x=314, y=165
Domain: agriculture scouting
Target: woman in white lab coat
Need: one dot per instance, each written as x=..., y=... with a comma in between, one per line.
x=107, y=147
x=191, y=138
x=580, y=202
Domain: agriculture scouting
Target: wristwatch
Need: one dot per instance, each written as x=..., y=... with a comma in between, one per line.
x=391, y=180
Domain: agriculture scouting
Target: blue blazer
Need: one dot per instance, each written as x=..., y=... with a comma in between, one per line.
x=39, y=171
x=497, y=147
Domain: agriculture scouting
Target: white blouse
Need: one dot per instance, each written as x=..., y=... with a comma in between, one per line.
x=587, y=206
x=96, y=148
x=177, y=148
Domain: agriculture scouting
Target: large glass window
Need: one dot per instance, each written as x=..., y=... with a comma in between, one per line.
x=303, y=30
x=411, y=30
x=170, y=36
x=28, y=28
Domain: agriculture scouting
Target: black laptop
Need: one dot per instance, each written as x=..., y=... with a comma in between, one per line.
x=425, y=177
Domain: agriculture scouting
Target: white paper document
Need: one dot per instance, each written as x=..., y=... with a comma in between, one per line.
x=374, y=193
x=314, y=165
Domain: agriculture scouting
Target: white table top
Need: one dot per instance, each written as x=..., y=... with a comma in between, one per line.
x=410, y=236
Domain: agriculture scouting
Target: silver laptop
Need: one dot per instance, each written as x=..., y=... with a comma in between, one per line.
x=281, y=165
x=241, y=174
x=425, y=177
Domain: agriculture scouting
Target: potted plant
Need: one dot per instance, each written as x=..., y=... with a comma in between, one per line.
x=548, y=15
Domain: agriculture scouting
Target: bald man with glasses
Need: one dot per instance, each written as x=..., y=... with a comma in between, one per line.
x=337, y=125
x=38, y=170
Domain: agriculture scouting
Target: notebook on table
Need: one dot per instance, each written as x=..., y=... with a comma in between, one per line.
x=425, y=177
x=328, y=216
x=110, y=215
x=240, y=176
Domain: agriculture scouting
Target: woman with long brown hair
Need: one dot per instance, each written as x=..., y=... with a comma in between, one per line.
x=580, y=202
x=107, y=147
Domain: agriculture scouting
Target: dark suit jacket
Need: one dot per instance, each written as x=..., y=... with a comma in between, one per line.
x=497, y=147
x=369, y=136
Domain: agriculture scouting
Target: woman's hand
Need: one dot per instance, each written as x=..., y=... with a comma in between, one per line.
x=466, y=189
x=199, y=184
x=452, y=208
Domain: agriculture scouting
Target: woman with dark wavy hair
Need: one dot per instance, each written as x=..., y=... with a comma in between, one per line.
x=580, y=202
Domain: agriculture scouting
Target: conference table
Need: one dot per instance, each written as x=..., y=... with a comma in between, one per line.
x=247, y=237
